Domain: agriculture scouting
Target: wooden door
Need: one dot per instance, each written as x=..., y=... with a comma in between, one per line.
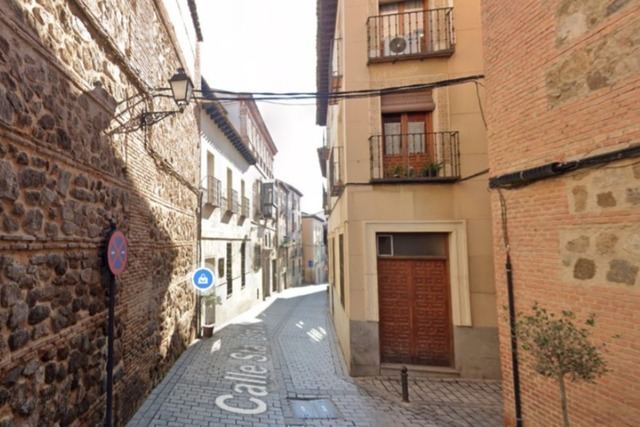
x=414, y=307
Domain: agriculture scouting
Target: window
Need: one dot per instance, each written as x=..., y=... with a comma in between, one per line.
x=221, y=267
x=243, y=264
x=210, y=164
x=229, y=185
x=412, y=245
x=257, y=257
x=341, y=249
x=385, y=242
x=406, y=131
x=229, y=274
x=210, y=263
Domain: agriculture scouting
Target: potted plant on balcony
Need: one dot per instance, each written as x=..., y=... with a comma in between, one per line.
x=397, y=171
x=431, y=169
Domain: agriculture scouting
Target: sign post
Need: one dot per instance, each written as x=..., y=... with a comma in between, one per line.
x=117, y=257
x=202, y=281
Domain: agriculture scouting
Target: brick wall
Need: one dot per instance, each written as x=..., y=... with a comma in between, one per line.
x=563, y=82
x=67, y=170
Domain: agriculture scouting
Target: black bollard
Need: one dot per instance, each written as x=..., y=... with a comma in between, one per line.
x=404, y=380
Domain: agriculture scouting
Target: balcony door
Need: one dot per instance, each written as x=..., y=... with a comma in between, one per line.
x=402, y=27
x=407, y=146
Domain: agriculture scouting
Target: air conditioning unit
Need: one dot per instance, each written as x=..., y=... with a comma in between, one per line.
x=405, y=44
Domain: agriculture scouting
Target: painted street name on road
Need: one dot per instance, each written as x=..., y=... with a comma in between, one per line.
x=249, y=380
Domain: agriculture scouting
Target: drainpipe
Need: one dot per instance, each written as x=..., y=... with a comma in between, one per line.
x=514, y=343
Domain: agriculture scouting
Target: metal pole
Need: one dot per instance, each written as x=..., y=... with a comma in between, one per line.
x=404, y=380
x=110, y=332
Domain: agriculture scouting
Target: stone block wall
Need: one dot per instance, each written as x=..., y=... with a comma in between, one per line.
x=563, y=82
x=74, y=76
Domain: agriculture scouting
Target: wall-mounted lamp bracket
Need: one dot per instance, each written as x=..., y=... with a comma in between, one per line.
x=149, y=118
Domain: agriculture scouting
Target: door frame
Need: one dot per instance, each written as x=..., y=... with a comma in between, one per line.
x=458, y=263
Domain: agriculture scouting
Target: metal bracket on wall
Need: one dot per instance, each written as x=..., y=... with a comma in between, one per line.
x=149, y=118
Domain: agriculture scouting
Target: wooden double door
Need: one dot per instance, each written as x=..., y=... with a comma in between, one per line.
x=415, y=313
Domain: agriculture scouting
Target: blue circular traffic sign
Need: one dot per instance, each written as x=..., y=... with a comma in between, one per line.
x=203, y=279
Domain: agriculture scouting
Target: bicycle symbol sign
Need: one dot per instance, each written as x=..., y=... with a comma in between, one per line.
x=117, y=252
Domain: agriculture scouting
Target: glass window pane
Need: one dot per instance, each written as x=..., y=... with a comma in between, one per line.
x=416, y=143
x=384, y=245
x=419, y=244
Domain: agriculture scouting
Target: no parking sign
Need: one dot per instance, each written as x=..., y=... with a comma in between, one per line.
x=117, y=252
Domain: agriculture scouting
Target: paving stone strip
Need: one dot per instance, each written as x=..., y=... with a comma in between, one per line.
x=283, y=367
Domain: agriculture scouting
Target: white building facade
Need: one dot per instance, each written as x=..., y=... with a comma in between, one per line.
x=236, y=237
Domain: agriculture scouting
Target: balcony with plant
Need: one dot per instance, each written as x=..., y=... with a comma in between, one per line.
x=427, y=157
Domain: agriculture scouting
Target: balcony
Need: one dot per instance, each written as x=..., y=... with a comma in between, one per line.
x=411, y=35
x=212, y=193
x=244, y=209
x=336, y=67
x=257, y=205
x=323, y=156
x=415, y=157
x=268, y=196
x=336, y=183
x=234, y=202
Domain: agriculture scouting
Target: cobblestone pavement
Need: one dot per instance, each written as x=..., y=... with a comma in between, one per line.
x=253, y=370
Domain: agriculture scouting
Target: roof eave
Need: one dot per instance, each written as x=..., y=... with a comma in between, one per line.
x=326, y=14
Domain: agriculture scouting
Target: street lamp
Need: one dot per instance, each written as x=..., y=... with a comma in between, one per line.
x=181, y=91
x=181, y=88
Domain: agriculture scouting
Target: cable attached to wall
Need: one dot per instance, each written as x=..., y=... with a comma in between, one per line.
x=528, y=176
x=512, y=310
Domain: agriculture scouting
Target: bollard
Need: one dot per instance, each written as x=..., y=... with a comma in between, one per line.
x=404, y=380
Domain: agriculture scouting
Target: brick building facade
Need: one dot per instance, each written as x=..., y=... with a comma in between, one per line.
x=563, y=84
x=74, y=77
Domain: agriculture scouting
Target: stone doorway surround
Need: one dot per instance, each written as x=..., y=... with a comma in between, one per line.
x=363, y=332
x=458, y=263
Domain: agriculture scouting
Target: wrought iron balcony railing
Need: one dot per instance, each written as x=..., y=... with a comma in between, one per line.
x=406, y=35
x=244, y=209
x=431, y=156
x=212, y=192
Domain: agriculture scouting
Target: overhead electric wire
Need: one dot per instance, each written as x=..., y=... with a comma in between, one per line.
x=213, y=94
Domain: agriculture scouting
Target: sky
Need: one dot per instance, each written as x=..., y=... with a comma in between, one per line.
x=269, y=46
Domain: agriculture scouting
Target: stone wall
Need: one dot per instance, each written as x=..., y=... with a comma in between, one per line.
x=70, y=166
x=563, y=82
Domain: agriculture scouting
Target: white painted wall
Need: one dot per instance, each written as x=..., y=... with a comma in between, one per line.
x=180, y=17
x=218, y=229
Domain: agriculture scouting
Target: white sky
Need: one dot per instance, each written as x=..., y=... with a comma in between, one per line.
x=261, y=45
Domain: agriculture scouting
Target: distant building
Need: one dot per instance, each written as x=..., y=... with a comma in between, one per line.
x=314, y=249
x=289, y=242
x=564, y=119
x=237, y=238
x=411, y=264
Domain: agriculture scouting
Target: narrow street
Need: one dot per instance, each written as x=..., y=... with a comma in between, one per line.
x=280, y=366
